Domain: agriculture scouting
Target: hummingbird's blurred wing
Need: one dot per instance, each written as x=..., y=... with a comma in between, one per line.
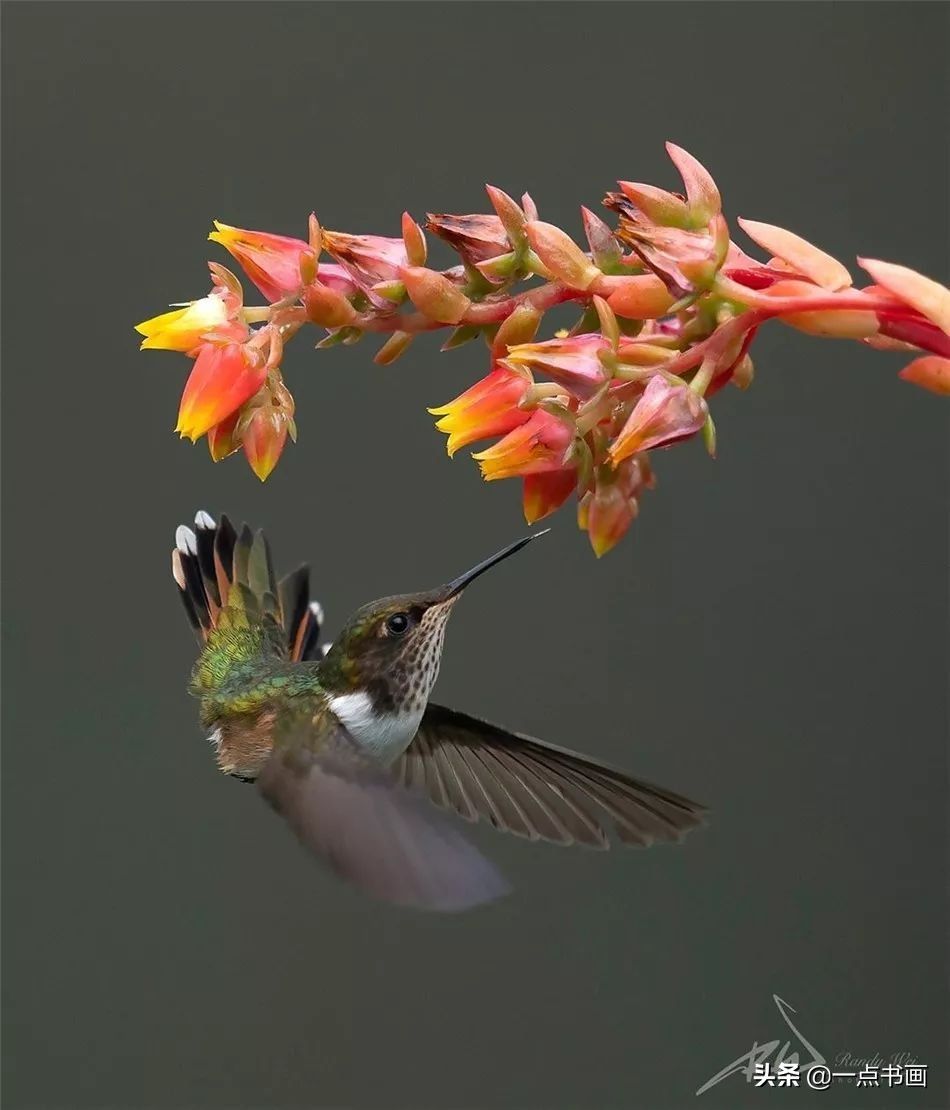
x=536, y=790
x=373, y=832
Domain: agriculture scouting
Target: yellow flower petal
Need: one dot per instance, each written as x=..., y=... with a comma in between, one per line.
x=159, y=323
x=181, y=329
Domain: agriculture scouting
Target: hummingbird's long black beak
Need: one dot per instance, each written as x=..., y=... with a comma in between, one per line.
x=455, y=587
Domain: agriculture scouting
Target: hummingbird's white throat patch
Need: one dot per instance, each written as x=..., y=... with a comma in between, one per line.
x=386, y=735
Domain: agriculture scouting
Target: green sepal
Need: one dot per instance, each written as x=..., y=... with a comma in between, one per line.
x=462, y=335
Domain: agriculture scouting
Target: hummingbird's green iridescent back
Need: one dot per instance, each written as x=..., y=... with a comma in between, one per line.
x=258, y=667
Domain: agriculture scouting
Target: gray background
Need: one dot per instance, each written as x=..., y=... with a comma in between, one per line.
x=772, y=640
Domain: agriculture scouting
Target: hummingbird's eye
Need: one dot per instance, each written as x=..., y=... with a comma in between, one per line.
x=397, y=624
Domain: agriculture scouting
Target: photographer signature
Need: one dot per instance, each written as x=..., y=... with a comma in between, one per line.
x=759, y=1053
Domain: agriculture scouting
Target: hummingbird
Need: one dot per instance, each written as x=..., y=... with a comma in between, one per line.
x=342, y=740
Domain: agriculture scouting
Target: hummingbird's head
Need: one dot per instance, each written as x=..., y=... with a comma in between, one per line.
x=389, y=652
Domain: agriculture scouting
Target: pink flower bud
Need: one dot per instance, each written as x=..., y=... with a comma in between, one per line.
x=366, y=258
x=607, y=511
x=263, y=438
x=561, y=255
x=573, y=362
x=434, y=295
x=477, y=238
x=608, y=515
x=665, y=414
x=264, y=425
x=685, y=260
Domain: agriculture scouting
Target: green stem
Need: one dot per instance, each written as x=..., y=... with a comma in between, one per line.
x=258, y=314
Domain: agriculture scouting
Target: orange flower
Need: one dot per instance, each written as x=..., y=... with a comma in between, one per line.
x=272, y=262
x=543, y=493
x=488, y=408
x=222, y=440
x=539, y=445
x=224, y=376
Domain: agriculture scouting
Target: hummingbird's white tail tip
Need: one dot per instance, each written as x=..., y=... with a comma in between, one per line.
x=185, y=540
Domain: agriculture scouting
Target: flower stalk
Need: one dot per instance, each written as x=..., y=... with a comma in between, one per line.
x=668, y=307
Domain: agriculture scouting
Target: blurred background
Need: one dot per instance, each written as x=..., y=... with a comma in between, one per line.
x=770, y=639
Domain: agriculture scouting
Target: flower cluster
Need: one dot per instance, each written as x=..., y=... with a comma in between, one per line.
x=668, y=307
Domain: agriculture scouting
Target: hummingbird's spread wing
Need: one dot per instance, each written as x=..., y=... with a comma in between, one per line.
x=373, y=832
x=536, y=790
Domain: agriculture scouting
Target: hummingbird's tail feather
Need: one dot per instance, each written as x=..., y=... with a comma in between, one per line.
x=226, y=579
x=376, y=835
